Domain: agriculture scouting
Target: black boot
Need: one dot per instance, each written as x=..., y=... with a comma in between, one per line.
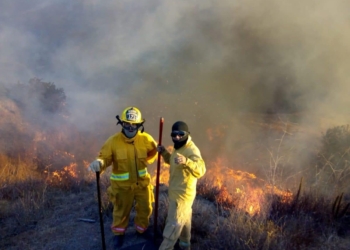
x=147, y=235
x=118, y=241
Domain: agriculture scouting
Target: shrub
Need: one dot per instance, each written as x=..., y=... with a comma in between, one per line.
x=333, y=161
x=46, y=95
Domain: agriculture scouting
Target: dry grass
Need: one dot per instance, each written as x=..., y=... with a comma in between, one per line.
x=305, y=222
x=42, y=200
x=27, y=195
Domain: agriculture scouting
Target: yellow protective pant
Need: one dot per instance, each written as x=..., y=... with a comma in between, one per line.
x=178, y=225
x=123, y=200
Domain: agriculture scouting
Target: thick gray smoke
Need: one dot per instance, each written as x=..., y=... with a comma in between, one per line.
x=204, y=62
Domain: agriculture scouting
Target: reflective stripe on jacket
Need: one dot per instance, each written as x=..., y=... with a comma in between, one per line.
x=125, y=177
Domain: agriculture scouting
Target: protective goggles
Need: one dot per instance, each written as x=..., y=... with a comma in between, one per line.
x=178, y=133
x=127, y=125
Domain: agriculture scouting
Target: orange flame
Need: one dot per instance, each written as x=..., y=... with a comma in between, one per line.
x=236, y=188
x=241, y=189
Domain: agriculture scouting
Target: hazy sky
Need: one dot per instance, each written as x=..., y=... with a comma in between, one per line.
x=200, y=61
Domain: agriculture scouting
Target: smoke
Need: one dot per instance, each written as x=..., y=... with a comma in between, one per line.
x=204, y=62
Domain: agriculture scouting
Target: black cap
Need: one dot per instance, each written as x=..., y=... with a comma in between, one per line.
x=179, y=125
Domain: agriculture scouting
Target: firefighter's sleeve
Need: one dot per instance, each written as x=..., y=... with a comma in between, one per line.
x=195, y=164
x=106, y=154
x=151, y=150
x=166, y=156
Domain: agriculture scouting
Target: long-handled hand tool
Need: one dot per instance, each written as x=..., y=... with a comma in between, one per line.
x=100, y=210
x=157, y=180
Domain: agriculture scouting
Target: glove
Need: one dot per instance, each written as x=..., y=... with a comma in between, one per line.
x=160, y=148
x=95, y=166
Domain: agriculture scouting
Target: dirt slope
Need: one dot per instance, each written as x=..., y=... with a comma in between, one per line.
x=63, y=227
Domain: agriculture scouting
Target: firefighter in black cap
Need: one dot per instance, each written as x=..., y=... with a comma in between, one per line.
x=186, y=167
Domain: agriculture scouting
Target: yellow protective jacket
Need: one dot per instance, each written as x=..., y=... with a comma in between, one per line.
x=183, y=179
x=129, y=159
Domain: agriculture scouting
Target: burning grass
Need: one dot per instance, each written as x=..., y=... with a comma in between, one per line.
x=303, y=221
x=27, y=194
x=234, y=209
x=237, y=210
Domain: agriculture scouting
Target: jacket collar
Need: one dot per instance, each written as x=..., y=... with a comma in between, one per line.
x=129, y=140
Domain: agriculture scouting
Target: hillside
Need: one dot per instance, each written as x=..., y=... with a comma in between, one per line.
x=256, y=193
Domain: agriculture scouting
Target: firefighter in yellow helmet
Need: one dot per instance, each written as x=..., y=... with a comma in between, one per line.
x=129, y=152
x=186, y=166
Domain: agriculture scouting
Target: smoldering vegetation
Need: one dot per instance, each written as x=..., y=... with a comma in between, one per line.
x=44, y=164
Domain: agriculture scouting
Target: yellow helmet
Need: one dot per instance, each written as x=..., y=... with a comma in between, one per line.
x=132, y=115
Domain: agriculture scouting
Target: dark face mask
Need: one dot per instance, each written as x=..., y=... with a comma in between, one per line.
x=179, y=138
x=179, y=134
